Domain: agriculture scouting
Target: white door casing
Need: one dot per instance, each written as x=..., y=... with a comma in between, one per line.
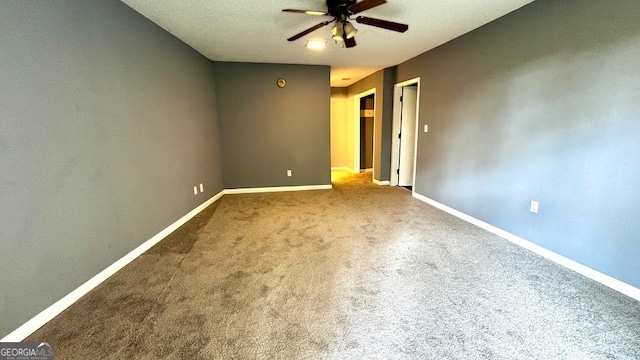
x=356, y=130
x=395, y=141
x=408, y=135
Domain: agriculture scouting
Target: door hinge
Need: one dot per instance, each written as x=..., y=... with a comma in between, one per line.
x=398, y=171
x=401, y=97
x=399, y=135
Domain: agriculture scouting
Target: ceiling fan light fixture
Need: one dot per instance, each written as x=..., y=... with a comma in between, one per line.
x=341, y=12
x=337, y=30
x=350, y=30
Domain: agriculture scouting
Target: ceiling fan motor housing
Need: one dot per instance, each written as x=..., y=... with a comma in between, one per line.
x=339, y=7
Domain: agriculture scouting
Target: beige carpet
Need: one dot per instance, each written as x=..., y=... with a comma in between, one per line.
x=357, y=272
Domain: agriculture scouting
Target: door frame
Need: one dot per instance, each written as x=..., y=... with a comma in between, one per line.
x=356, y=130
x=395, y=144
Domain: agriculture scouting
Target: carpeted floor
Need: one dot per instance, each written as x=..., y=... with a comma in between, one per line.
x=357, y=272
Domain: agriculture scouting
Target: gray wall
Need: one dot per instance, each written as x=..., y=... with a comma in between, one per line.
x=268, y=130
x=383, y=81
x=106, y=123
x=541, y=104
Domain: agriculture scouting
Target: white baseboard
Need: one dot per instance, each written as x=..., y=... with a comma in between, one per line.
x=277, y=189
x=59, y=306
x=384, y=183
x=52, y=311
x=592, y=274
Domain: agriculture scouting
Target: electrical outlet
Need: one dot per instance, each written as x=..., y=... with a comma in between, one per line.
x=195, y=190
x=201, y=187
x=289, y=173
x=534, y=206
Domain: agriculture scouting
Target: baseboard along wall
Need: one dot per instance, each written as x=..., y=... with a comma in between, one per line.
x=342, y=168
x=277, y=189
x=59, y=306
x=583, y=270
x=383, y=183
x=52, y=311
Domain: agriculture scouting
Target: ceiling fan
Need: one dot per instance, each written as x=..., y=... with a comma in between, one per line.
x=341, y=11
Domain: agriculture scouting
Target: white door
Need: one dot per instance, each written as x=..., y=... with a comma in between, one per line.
x=407, y=135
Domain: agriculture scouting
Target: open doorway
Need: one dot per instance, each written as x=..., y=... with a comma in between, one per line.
x=364, y=131
x=405, y=130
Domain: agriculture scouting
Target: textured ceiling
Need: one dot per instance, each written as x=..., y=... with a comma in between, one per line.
x=256, y=31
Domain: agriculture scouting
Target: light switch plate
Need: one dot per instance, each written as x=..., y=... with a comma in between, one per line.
x=201, y=188
x=426, y=128
x=195, y=190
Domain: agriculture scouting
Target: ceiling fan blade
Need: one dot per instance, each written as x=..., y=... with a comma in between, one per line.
x=308, y=12
x=349, y=43
x=309, y=30
x=365, y=5
x=389, y=25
